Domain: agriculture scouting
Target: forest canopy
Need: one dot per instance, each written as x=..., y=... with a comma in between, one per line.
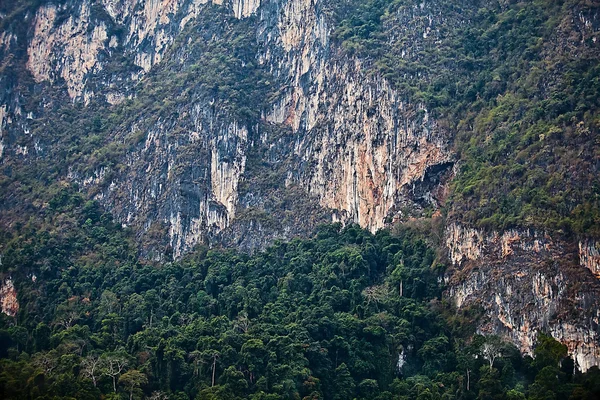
x=344, y=315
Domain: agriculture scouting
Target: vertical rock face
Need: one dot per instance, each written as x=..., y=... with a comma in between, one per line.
x=589, y=256
x=527, y=282
x=67, y=50
x=8, y=297
x=467, y=244
x=151, y=25
x=183, y=185
x=464, y=243
x=244, y=8
x=225, y=171
x=359, y=142
x=357, y=146
x=2, y=122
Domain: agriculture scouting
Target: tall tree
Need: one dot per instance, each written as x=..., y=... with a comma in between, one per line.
x=132, y=380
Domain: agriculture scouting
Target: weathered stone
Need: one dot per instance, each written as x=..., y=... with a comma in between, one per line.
x=8, y=297
x=527, y=282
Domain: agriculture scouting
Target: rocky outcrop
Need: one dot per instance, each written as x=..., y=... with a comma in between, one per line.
x=464, y=243
x=68, y=50
x=589, y=256
x=580, y=342
x=527, y=282
x=467, y=244
x=8, y=297
x=360, y=143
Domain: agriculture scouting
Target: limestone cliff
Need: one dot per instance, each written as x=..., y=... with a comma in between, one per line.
x=8, y=297
x=527, y=282
x=354, y=144
x=589, y=256
x=239, y=122
x=361, y=144
x=69, y=50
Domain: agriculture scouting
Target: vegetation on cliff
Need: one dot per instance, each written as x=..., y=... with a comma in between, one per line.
x=516, y=84
x=518, y=81
x=344, y=315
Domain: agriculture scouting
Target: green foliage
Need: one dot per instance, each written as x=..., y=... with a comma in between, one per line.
x=328, y=317
x=520, y=98
x=334, y=316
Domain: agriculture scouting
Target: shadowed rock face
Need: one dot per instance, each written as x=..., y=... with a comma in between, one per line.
x=328, y=142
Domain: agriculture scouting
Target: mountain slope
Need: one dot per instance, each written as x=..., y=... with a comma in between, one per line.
x=238, y=123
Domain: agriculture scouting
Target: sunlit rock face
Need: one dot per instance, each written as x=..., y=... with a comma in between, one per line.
x=354, y=146
x=589, y=256
x=77, y=47
x=68, y=50
x=8, y=297
x=360, y=143
x=527, y=282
